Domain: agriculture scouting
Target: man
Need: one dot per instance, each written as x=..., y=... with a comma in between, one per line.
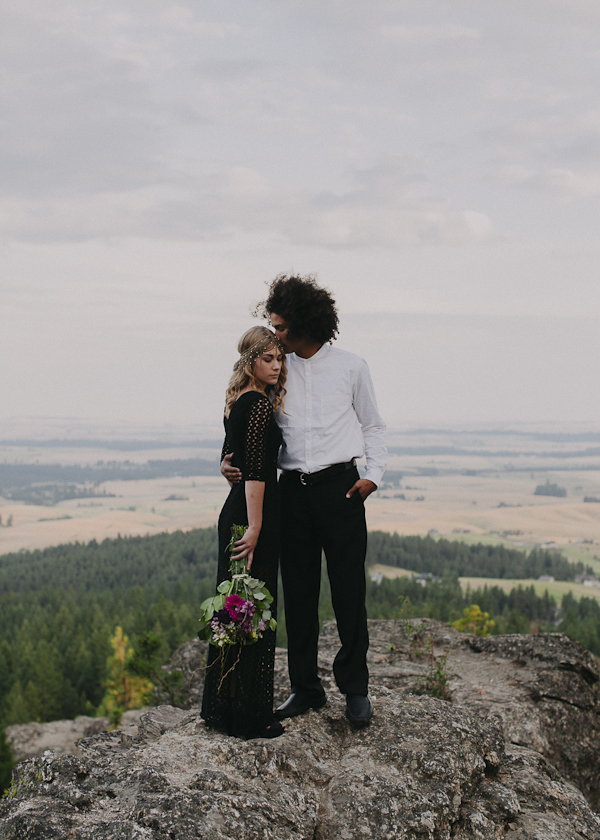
x=330, y=419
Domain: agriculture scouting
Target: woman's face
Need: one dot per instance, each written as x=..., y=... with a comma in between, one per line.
x=268, y=367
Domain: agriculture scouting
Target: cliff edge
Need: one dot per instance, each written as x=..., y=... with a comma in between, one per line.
x=515, y=753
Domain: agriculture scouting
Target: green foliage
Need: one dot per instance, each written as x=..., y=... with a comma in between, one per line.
x=245, y=586
x=437, y=679
x=145, y=662
x=475, y=621
x=424, y=554
x=512, y=612
x=581, y=621
x=517, y=622
x=124, y=690
x=445, y=600
x=161, y=560
x=7, y=762
x=54, y=644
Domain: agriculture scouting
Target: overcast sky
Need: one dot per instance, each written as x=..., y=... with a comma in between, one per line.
x=435, y=163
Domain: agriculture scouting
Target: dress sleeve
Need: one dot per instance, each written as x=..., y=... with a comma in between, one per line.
x=259, y=416
x=226, y=449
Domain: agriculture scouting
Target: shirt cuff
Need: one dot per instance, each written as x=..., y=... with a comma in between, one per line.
x=374, y=474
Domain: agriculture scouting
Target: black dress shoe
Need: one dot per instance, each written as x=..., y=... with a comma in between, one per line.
x=299, y=704
x=359, y=710
x=272, y=731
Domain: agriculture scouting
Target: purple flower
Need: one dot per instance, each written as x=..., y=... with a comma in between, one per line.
x=223, y=616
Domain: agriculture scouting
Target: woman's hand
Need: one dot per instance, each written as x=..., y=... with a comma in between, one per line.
x=245, y=547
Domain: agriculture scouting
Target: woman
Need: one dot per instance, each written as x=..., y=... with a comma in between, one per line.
x=243, y=704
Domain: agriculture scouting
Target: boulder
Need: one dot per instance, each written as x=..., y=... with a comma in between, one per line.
x=423, y=769
x=512, y=754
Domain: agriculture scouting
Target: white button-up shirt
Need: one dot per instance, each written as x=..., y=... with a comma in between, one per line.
x=331, y=414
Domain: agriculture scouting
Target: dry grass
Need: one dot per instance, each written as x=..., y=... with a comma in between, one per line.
x=139, y=508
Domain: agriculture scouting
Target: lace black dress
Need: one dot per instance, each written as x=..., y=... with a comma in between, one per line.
x=244, y=704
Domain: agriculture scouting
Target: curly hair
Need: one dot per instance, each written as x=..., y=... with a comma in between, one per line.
x=243, y=372
x=307, y=309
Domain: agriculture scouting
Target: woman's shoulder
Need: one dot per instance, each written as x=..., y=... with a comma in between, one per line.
x=252, y=399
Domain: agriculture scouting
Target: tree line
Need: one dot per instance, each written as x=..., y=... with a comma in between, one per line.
x=424, y=554
x=121, y=563
x=165, y=559
x=15, y=478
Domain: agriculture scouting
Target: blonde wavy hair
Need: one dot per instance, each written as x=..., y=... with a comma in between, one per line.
x=255, y=342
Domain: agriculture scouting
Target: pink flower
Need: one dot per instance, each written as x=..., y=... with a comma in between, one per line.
x=235, y=606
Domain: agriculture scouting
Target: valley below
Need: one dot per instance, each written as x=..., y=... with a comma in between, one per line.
x=475, y=486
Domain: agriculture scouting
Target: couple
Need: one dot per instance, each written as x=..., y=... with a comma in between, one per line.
x=291, y=389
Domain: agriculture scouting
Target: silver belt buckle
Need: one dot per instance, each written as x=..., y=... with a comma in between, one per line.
x=302, y=481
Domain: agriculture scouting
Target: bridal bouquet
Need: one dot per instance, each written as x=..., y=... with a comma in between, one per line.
x=240, y=612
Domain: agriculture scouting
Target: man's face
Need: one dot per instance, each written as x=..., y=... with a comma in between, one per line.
x=282, y=332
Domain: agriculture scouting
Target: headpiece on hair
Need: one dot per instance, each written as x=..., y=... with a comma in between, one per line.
x=257, y=349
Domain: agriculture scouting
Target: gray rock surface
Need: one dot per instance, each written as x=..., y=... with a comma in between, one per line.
x=545, y=689
x=511, y=756
x=60, y=736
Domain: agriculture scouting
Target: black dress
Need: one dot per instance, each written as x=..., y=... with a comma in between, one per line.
x=243, y=706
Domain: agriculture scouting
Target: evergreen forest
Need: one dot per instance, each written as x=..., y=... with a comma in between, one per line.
x=60, y=607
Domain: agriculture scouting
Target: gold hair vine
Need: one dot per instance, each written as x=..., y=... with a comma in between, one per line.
x=250, y=355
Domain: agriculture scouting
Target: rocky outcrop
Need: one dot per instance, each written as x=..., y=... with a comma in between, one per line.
x=508, y=757
x=545, y=689
x=60, y=736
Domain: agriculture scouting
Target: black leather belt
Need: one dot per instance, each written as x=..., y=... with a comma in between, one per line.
x=308, y=479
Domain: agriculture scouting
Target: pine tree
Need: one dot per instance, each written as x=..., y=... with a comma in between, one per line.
x=123, y=689
x=146, y=662
x=16, y=710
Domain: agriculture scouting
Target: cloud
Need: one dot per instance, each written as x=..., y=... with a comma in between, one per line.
x=183, y=120
x=565, y=183
x=226, y=70
x=558, y=154
x=390, y=204
x=79, y=114
x=428, y=34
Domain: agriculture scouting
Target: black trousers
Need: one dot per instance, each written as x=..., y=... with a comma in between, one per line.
x=315, y=519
